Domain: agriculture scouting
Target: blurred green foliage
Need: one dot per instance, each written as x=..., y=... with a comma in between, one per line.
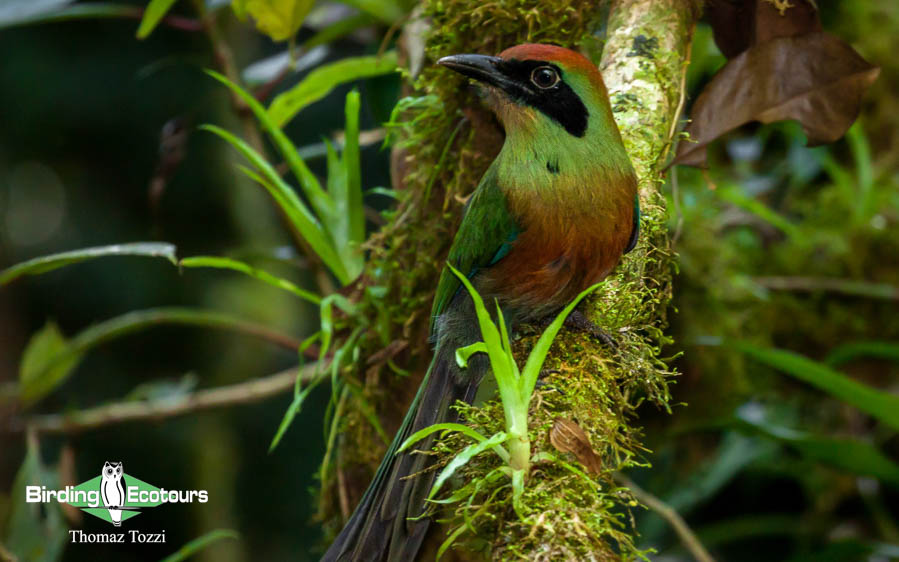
x=787, y=267
x=86, y=176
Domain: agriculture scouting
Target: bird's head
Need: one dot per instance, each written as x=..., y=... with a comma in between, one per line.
x=530, y=84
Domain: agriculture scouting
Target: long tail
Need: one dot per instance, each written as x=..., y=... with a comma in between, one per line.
x=379, y=530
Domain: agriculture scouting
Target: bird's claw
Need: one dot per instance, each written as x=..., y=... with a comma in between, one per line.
x=543, y=384
x=578, y=322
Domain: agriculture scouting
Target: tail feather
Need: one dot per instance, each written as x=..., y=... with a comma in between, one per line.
x=379, y=529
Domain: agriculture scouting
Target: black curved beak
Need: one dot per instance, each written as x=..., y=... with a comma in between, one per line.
x=482, y=68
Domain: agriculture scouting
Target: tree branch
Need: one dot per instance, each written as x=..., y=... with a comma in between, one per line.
x=220, y=397
x=666, y=512
x=849, y=287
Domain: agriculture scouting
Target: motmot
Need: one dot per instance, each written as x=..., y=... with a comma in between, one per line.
x=552, y=215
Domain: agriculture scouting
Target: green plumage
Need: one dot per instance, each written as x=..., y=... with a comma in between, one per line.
x=486, y=232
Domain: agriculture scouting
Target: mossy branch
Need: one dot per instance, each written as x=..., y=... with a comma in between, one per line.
x=448, y=141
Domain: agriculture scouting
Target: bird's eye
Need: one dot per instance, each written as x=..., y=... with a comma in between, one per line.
x=544, y=77
x=109, y=471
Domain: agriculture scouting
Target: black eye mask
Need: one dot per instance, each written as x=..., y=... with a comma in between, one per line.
x=559, y=102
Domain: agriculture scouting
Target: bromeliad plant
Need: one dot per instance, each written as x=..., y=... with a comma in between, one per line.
x=516, y=386
x=333, y=224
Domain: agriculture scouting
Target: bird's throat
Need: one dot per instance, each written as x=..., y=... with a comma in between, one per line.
x=541, y=164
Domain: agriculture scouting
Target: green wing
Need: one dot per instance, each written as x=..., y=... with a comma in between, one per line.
x=485, y=237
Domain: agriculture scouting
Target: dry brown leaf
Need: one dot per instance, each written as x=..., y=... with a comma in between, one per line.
x=740, y=24
x=568, y=437
x=816, y=79
x=801, y=18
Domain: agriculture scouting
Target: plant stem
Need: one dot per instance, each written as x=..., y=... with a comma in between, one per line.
x=687, y=536
x=116, y=413
x=516, y=413
x=519, y=452
x=850, y=287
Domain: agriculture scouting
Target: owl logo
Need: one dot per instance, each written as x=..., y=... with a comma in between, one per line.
x=112, y=488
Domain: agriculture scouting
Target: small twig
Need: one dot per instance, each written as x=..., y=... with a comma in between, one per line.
x=849, y=287
x=131, y=12
x=241, y=393
x=397, y=25
x=666, y=512
x=182, y=23
x=224, y=59
x=265, y=90
x=682, y=100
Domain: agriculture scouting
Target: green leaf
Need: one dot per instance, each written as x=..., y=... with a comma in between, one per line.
x=851, y=287
x=863, y=349
x=369, y=413
x=856, y=457
x=318, y=83
x=501, y=362
x=47, y=362
x=861, y=153
x=463, y=457
x=264, y=276
x=295, y=406
x=297, y=213
x=326, y=312
x=747, y=527
x=13, y=12
x=518, y=491
x=448, y=426
x=269, y=68
x=156, y=10
x=200, y=543
x=299, y=396
x=450, y=539
x=338, y=29
x=538, y=354
x=849, y=550
x=347, y=350
x=32, y=533
x=734, y=195
x=44, y=264
x=463, y=354
x=279, y=19
x=734, y=453
x=138, y=320
x=881, y=405
x=320, y=201
x=39, y=12
x=388, y=11
x=346, y=223
x=352, y=170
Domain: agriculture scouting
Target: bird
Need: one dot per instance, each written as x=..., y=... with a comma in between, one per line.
x=551, y=216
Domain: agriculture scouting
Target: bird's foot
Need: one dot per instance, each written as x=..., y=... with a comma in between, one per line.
x=578, y=322
x=543, y=384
